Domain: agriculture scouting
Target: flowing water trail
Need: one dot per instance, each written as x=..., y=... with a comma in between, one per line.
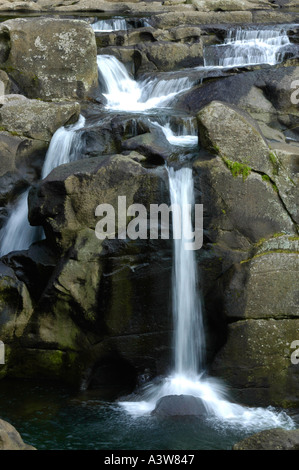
x=243, y=47
x=125, y=94
x=18, y=234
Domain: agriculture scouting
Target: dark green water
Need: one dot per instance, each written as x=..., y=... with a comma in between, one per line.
x=51, y=417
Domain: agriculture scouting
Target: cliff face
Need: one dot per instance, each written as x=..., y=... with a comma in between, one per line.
x=75, y=308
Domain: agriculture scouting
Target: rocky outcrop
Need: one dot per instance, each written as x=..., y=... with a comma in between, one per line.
x=27, y=127
x=93, y=308
x=10, y=439
x=203, y=11
x=254, y=242
x=36, y=119
x=271, y=439
x=50, y=58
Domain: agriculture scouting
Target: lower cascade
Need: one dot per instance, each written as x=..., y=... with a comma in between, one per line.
x=188, y=391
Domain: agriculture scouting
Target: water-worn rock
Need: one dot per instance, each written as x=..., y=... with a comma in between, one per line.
x=231, y=5
x=256, y=362
x=66, y=200
x=50, y=58
x=10, y=439
x=234, y=135
x=37, y=119
x=221, y=126
x=27, y=127
x=179, y=405
x=98, y=309
x=270, y=439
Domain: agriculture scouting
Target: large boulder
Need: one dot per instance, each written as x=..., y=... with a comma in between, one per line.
x=66, y=200
x=250, y=259
x=179, y=405
x=220, y=126
x=95, y=308
x=27, y=127
x=10, y=438
x=270, y=439
x=36, y=119
x=50, y=58
x=265, y=94
x=219, y=119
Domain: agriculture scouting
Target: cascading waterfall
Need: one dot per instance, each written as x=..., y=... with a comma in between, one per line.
x=65, y=146
x=185, y=137
x=187, y=311
x=125, y=94
x=115, y=24
x=243, y=47
x=189, y=377
x=18, y=234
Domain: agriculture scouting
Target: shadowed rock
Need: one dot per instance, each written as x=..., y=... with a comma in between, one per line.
x=179, y=405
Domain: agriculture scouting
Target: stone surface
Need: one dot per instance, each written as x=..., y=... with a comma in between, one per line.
x=37, y=119
x=10, y=439
x=50, y=58
x=179, y=405
x=271, y=439
x=256, y=362
x=228, y=131
x=98, y=305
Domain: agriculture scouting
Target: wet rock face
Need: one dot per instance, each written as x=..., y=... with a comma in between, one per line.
x=95, y=299
x=179, y=405
x=50, y=58
x=252, y=227
x=272, y=439
x=10, y=439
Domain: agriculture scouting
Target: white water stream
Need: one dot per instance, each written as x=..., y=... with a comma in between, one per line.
x=243, y=47
x=125, y=94
x=188, y=378
x=18, y=234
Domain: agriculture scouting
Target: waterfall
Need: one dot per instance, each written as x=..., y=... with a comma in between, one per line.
x=187, y=314
x=65, y=146
x=189, y=376
x=115, y=24
x=243, y=47
x=18, y=234
x=185, y=137
x=125, y=94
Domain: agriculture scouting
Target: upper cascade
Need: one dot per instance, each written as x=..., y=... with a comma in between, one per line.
x=243, y=47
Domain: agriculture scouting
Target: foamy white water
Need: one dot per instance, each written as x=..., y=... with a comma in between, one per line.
x=220, y=410
x=125, y=94
x=244, y=47
x=65, y=146
x=182, y=139
x=115, y=24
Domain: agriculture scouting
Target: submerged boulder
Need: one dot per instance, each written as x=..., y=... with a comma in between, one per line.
x=179, y=405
